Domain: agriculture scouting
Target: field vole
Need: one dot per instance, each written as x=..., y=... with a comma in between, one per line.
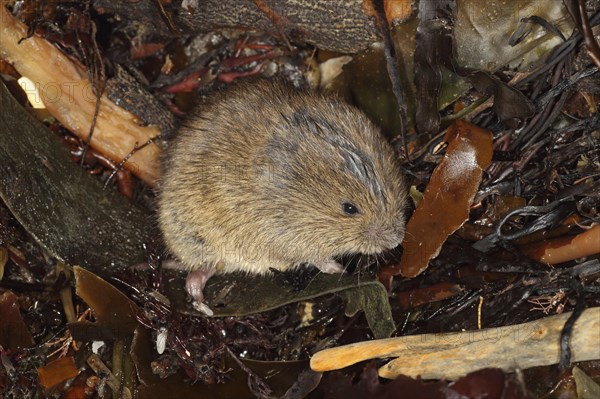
x=265, y=176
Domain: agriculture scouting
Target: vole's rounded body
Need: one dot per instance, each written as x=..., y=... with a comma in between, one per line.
x=264, y=176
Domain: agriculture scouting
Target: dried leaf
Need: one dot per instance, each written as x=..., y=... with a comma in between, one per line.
x=373, y=300
x=447, y=198
x=433, y=293
x=14, y=333
x=115, y=313
x=511, y=106
x=57, y=371
x=500, y=207
x=587, y=388
x=227, y=295
x=142, y=353
x=331, y=69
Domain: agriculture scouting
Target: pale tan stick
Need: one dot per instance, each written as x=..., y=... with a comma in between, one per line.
x=452, y=355
x=68, y=95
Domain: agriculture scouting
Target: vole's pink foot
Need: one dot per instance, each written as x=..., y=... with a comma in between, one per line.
x=330, y=267
x=194, y=285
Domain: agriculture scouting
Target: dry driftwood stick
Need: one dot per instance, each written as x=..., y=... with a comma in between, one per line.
x=452, y=355
x=345, y=26
x=68, y=95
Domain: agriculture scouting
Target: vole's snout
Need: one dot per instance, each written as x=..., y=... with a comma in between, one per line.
x=384, y=237
x=393, y=240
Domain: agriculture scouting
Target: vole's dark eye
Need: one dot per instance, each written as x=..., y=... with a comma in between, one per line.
x=349, y=208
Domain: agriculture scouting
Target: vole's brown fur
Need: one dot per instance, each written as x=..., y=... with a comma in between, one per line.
x=258, y=178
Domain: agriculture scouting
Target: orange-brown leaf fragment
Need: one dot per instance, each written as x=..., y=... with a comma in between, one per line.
x=448, y=196
x=565, y=249
x=115, y=312
x=14, y=333
x=412, y=299
x=57, y=371
x=395, y=10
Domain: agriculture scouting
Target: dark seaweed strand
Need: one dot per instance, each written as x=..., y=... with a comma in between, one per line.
x=577, y=10
x=560, y=53
x=565, y=335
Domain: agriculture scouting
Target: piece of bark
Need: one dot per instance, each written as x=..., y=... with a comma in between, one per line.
x=68, y=95
x=345, y=26
x=129, y=94
x=452, y=355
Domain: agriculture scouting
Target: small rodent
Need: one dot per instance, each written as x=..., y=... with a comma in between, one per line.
x=267, y=176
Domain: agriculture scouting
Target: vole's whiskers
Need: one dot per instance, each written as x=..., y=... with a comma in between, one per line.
x=408, y=233
x=313, y=278
x=377, y=262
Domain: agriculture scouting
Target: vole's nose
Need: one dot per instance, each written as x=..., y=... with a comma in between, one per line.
x=393, y=241
x=400, y=235
x=385, y=237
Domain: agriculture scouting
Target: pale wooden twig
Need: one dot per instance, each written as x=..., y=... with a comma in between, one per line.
x=452, y=355
x=63, y=87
